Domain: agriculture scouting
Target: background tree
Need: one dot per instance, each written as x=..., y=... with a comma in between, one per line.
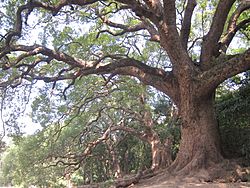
x=23, y=164
x=108, y=133
x=2, y=150
x=114, y=42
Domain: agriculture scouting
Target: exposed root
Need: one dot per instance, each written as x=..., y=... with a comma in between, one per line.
x=225, y=172
x=128, y=181
x=142, y=175
x=183, y=167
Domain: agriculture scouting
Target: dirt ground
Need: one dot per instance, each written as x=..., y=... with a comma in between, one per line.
x=226, y=173
x=183, y=184
x=167, y=181
x=220, y=178
x=194, y=185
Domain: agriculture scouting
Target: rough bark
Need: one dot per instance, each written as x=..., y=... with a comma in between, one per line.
x=200, y=143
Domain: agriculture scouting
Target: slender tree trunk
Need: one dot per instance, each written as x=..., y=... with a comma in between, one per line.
x=117, y=171
x=161, y=154
x=200, y=142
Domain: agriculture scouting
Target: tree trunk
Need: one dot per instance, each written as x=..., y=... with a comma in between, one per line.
x=200, y=142
x=161, y=154
x=117, y=171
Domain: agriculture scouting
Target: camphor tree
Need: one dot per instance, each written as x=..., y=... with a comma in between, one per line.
x=178, y=47
x=92, y=142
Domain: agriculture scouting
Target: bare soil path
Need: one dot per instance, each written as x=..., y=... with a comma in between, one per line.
x=167, y=181
x=174, y=184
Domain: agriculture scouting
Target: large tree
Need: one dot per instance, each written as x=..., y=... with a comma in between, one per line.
x=187, y=58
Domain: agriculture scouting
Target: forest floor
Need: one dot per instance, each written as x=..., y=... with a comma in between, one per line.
x=159, y=182
x=228, y=179
x=165, y=181
x=194, y=185
x=225, y=177
x=232, y=176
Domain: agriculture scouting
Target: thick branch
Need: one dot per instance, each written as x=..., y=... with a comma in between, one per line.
x=171, y=41
x=227, y=39
x=169, y=12
x=186, y=25
x=18, y=24
x=158, y=78
x=77, y=159
x=223, y=70
x=233, y=27
x=210, y=44
x=56, y=8
x=233, y=20
x=60, y=56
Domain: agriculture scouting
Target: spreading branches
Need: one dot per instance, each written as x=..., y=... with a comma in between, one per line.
x=131, y=67
x=160, y=79
x=27, y=70
x=38, y=49
x=210, y=45
x=142, y=25
x=76, y=158
x=73, y=159
x=108, y=64
x=17, y=30
x=124, y=28
x=143, y=12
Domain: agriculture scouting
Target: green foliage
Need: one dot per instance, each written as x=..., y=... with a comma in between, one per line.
x=233, y=110
x=170, y=126
x=69, y=126
x=25, y=160
x=74, y=114
x=134, y=154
